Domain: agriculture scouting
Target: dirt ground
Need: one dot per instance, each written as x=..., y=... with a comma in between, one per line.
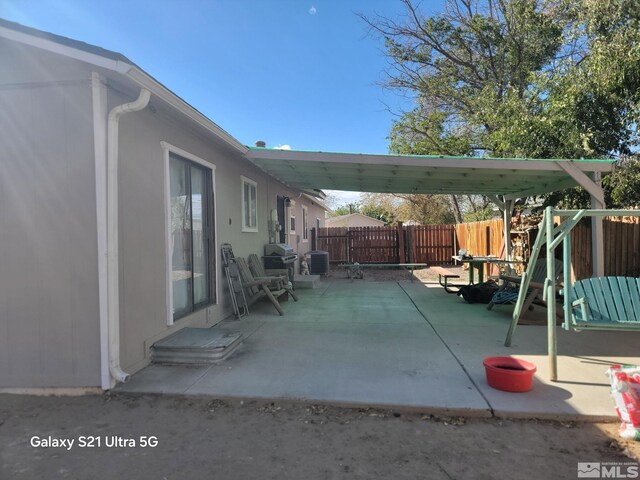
x=236, y=439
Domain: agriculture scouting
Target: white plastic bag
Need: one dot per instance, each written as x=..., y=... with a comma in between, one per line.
x=625, y=389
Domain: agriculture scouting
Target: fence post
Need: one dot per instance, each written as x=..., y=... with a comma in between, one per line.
x=410, y=243
x=314, y=239
x=454, y=230
x=401, y=253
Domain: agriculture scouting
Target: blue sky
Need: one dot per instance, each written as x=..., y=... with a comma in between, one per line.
x=303, y=73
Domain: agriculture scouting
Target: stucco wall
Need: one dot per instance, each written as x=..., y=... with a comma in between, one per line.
x=49, y=299
x=49, y=326
x=143, y=264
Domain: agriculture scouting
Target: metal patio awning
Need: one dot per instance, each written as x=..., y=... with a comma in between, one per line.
x=511, y=178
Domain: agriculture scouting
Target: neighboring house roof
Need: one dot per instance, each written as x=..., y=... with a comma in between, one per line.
x=348, y=220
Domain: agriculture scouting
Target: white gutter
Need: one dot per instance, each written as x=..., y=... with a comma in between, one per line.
x=113, y=275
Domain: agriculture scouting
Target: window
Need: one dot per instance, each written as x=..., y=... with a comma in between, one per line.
x=305, y=224
x=249, y=205
x=292, y=217
x=191, y=240
x=318, y=223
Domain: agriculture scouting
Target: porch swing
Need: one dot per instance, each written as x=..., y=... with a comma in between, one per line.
x=600, y=303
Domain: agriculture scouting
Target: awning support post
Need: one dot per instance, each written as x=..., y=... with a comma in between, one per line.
x=506, y=217
x=594, y=188
x=597, y=233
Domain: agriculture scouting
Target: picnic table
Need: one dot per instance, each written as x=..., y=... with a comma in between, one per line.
x=355, y=269
x=477, y=263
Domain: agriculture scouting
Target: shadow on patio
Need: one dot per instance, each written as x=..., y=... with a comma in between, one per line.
x=403, y=345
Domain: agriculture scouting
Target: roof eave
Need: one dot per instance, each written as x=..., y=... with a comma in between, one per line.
x=144, y=80
x=133, y=72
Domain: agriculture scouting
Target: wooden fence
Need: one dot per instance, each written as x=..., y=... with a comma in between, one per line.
x=481, y=238
x=621, y=244
x=435, y=244
x=621, y=247
x=430, y=244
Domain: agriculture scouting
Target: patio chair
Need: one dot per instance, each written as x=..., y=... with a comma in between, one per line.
x=508, y=291
x=279, y=278
x=258, y=287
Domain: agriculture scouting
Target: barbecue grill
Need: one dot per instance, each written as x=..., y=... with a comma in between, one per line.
x=280, y=256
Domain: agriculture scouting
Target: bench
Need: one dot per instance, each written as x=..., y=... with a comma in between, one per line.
x=446, y=274
x=605, y=303
x=355, y=269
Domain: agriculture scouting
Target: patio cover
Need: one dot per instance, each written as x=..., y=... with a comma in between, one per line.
x=511, y=177
x=501, y=179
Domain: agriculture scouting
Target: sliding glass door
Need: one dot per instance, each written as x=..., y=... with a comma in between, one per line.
x=192, y=241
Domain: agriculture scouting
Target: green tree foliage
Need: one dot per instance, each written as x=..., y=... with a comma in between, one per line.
x=346, y=209
x=621, y=188
x=424, y=209
x=520, y=78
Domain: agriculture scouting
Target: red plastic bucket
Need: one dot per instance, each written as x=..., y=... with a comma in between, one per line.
x=509, y=374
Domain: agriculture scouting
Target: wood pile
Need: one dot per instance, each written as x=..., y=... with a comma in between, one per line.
x=524, y=223
x=522, y=228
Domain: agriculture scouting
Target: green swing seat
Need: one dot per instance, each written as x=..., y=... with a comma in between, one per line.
x=605, y=303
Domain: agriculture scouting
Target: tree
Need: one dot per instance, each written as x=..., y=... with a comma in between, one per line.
x=622, y=187
x=461, y=66
x=425, y=209
x=346, y=209
x=517, y=78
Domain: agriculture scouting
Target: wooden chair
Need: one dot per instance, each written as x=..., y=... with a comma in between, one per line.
x=536, y=286
x=279, y=278
x=605, y=303
x=256, y=288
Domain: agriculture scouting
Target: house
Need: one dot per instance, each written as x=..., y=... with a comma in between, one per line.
x=116, y=194
x=115, y=198
x=353, y=220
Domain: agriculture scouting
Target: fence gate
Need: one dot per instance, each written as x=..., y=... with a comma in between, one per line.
x=430, y=244
x=373, y=245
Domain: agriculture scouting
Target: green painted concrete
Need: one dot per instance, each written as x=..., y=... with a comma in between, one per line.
x=406, y=345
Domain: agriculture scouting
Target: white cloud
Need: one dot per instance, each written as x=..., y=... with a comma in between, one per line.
x=312, y=10
x=283, y=147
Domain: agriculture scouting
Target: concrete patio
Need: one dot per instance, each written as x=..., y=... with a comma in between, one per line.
x=402, y=345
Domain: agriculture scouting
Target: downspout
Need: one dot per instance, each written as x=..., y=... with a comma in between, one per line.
x=113, y=274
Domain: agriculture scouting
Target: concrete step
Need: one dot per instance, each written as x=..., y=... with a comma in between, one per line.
x=196, y=346
x=306, y=281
